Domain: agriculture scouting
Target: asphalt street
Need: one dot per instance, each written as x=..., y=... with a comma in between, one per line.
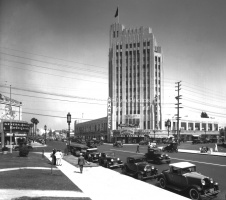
x=212, y=166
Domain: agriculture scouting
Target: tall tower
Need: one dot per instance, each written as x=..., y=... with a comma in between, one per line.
x=135, y=78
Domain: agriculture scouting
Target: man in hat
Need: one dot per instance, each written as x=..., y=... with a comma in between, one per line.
x=81, y=162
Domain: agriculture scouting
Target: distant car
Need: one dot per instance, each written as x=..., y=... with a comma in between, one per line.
x=118, y=144
x=92, y=155
x=143, y=142
x=136, y=166
x=109, y=160
x=196, y=141
x=155, y=155
x=182, y=177
x=172, y=147
x=91, y=144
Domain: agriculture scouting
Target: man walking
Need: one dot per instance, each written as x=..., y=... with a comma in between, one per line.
x=138, y=148
x=81, y=162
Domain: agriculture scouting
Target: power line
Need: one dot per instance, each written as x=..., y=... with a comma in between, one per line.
x=53, y=94
x=56, y=99
x=50, y=68
x=54, y=74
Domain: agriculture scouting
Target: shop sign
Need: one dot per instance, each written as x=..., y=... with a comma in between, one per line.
x=126, y=131
x=16, y=126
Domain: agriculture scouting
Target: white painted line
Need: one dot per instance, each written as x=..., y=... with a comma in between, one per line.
x=200, y=162
x=176, y=158
x=18, y=168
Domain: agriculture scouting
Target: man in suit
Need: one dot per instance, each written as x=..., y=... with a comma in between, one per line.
x=81, y=162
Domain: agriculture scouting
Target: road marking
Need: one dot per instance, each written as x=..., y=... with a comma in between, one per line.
x=200, y=162
x=176, y=158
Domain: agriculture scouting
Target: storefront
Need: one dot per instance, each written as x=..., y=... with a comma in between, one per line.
x=19, y=131
x=128, y=136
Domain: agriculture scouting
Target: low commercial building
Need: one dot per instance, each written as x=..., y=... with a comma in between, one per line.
x=92, y=129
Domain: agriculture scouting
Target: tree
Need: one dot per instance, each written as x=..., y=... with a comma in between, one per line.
x=204, y=115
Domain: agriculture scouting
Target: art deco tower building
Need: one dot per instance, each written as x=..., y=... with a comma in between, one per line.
x=135, y=78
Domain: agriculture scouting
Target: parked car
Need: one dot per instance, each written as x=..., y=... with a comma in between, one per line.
x=155, y=155
x=92, y=155
x=76, y=149
x=109, y=160
x=182, y=177
x=172, y=147
x=136, y=166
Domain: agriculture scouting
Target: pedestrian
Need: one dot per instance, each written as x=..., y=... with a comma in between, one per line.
x=53, y=157
x=138, y=148
x=58, y=155
x=216, y=149
x=66, y=150
x=81, y=162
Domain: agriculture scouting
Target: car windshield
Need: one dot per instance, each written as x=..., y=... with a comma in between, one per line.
x=110, y=154
x=188, y=170
x=139, y=160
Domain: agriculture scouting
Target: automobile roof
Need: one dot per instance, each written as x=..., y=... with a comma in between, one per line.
x=74, y=144
x=91, y=149
x=136, y=156
x=182, y=164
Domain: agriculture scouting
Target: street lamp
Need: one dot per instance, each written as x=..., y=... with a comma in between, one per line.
x=68, y=121
x=168, y=124
x=45, y=127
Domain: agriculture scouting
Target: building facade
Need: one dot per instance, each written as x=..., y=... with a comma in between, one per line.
x=92, y=129
x=11, y=125
x=135, y=82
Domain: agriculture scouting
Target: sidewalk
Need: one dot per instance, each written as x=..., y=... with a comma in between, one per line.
x=213, y=153
x=100, y=183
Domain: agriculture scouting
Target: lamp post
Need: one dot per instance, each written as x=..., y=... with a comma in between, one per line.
x=10, y=140
x=45, y=127
x=68, y=121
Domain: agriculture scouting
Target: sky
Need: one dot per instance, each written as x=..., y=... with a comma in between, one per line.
x=54, y=54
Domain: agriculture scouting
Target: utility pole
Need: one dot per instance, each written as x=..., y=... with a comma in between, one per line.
x=178, y=97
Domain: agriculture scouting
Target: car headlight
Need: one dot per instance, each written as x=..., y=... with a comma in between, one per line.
x=161, y=155
x=112, y=160
x=215, y=183
x=166, y=155
x=94, y=156
x=211, y=180
x=152, y=167
x=145, y=169
x=203, y=182
x=118, y=159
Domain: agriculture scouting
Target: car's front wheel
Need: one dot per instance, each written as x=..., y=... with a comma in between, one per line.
x=139, y=176
x=194, y=194
x=162, y=182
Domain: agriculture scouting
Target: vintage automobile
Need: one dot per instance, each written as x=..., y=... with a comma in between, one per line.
x=155, y=155
x=136, y=166
x=182, y=177
x=144, y=142
x=76, y=149
x=91, y=144
x=109, y=160
x=172, y=147
x=118, y=144
x=92, y=155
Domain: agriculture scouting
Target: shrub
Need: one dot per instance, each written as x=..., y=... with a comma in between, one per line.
x=5, y=148
x=23, y=151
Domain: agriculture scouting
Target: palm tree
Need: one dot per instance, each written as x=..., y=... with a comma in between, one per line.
x=36, y=122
